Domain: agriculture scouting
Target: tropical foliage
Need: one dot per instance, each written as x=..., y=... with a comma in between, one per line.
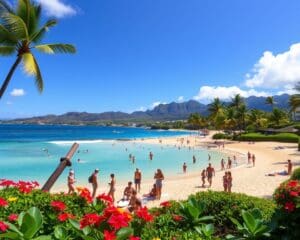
x=21, y=32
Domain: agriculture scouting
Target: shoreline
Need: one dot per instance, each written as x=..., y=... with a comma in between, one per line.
x=246, y=179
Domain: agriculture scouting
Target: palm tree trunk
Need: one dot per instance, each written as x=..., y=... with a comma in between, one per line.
x=9, y=75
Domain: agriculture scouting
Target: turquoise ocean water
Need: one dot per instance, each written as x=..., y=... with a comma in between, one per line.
x=32, y=152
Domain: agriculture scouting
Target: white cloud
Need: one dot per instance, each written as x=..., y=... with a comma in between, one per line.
x=208, y=93
x=155, y=104
x=17, y=92
x=279, y=71
x=141, y=109
x=57, y=8
x=180, y=99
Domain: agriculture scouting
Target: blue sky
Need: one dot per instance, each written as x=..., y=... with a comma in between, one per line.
x=133, y=54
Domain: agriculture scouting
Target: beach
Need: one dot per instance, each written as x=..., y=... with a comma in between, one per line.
x=270, y=157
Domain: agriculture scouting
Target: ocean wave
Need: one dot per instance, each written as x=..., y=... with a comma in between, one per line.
x=79, y=142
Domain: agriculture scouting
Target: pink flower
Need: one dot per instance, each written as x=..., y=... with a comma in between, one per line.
x=62, y=217
x=3, y=227
x=109, y=235
x=289, y=206
x=58, y=205
x=165, y=204
x=3, y=202
x=13, y=217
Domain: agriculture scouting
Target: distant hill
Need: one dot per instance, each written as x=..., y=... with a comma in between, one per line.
x=162, y=112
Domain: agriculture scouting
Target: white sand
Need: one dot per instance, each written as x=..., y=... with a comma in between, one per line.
x=246, y=179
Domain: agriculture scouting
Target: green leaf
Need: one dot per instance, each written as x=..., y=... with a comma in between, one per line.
x=13, y=228
x=193, y=211
x=36, y=214
x=86, y=231
x=249, y=221
x=60, y=232
x=236, y=222
x=9, y=235
x=124, y=233
x=75, y=224
x=44, y=237
x=256, y=213
x=28, y=227
x=208, y=230
x=20, y=218
x=56, y=48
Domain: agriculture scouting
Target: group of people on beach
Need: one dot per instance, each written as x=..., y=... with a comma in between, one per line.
x=130, y=192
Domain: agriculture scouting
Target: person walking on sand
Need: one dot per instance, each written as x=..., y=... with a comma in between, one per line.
x=137, y=179
x=222, y=164
x=184, y=167
x=210, y=172
x=253, y=160
x=225, y=182
x=93, y=179
x=289, y=167
x=71, y=181
x=203, y=176
x=159, y=177
x=229, y=182
x=249, y=157
x=112, y=187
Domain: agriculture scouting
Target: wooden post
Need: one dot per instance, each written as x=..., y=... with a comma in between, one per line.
x=64, y=162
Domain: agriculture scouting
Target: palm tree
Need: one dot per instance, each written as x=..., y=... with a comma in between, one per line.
x=20, y=33
x=278, y=116
x=294, y=100
x=230, y=120
x=270, y=101
x=237, y=101
x=256, y=117
x=216, y=107
x=195, y=120
x=241, y=116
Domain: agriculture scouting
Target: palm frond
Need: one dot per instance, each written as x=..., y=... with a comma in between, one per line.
x=30, y=13
x=39, y=34
x=6, y=37
x=15, y=25
x=5, y=7
x=31, y=68
x=56, y=48
x=7, y=50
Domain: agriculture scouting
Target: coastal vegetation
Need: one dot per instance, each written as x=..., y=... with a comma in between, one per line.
x=29, y=213
x=20, y=33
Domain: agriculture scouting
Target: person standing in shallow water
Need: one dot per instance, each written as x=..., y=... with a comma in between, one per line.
x=229, y=182
x=112, y=187
x=150, y=155
x=222, y=164
x=184, y=167
x=194, y=159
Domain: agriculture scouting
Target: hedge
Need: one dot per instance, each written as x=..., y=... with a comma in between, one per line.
x=296, y=174
x=280, y=137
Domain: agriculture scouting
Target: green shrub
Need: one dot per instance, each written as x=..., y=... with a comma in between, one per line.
x=224, y=206
x=280, y=137
x=296, y=174
x=221, y=136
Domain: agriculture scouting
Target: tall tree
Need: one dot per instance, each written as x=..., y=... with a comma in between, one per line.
x=20, y=33
x=237, y=101
x=215, y=107
x=270, y=101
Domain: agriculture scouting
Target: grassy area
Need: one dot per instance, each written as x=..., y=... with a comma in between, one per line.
x=280, y=137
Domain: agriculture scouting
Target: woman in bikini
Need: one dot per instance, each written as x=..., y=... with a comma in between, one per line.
x=71, y=181
x=159, y=177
